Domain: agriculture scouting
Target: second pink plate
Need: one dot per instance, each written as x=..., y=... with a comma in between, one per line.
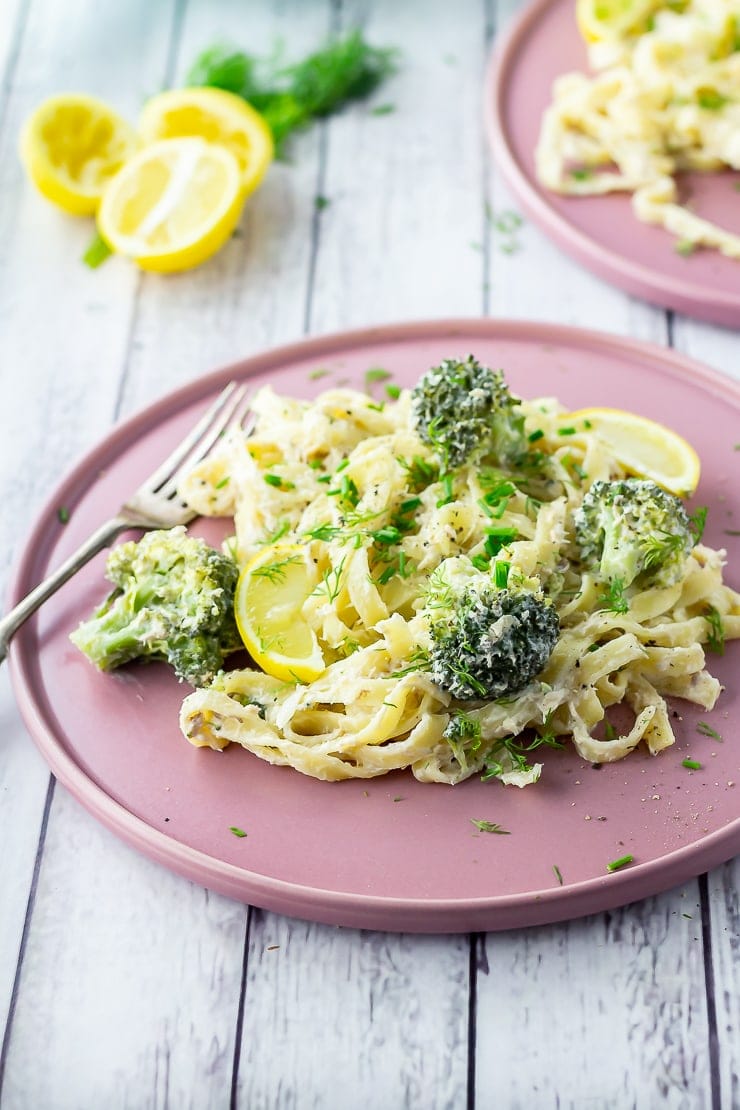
x=387, y=853
x=601, y=232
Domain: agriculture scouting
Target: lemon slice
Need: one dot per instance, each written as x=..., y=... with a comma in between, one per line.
x=270, y=595
x=71, y=147
x=173, y=205
x=645, y=448
x=217, y=116
x=612, y=20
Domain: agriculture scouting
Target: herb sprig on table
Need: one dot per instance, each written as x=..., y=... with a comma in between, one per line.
x=292, y=96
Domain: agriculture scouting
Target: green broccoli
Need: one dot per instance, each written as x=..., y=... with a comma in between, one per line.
x=465, y=412
x=173, y=600
x=488, y=641
x=633, y=531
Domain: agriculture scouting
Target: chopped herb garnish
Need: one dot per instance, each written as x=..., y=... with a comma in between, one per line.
x=710, y=99
x=278, y=482
x=691, y=764
x=489, y=827
x=580, y=174
x=320, y=202
x=613, y=597
x=496, y=538
x=97, y=252
x=446, y=483
x=393, y=391
x=399, y=798
x=224, y=482
x=566, y=431
x=610, y=732
x=615, y=864
x=534, y=436
x=697, y=522
x=684, y=247
x=237, y=831
x=376, y=407
x=63, y=514
x=558, y=876
x=342, y=466
x=707, y=730
x=501, y=573
x=716, y=634
x=319, y=373
x=481, y=562
x=275, y=572
x=375, y=374
x=383, y=110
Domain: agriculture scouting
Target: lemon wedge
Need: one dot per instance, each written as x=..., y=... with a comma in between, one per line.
x=612, y=20
x=645, y=448
x=173, y=205
x=218, y=117
x=71, y=146
x=269, y=599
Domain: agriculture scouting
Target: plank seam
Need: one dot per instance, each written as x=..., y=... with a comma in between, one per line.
x=31, y=902
x=475, y=939
x=712, y=1034
x=239, y=1030
x=12, y=61
x=489, y=33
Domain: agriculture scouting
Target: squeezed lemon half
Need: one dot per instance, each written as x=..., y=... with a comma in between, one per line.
x=173, y=205
x=71, y=146
x=218, y=117
x=270, y=595
x=645, y=448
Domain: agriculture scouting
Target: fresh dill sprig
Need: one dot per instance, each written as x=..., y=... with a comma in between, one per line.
x=716, y=634
x=291, y=97
x=489, y=827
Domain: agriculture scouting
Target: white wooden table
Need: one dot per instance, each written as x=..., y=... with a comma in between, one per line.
x=122, y=985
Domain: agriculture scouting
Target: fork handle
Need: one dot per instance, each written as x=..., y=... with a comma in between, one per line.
x=101, y=538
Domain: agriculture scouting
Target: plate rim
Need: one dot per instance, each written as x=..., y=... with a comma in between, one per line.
x=440, y=915
x=675, y=293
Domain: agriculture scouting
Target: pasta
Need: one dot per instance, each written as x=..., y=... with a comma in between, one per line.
x=658, y=104
x=375, y=707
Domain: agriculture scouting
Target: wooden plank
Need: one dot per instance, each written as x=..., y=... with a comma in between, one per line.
x=724, y=899
x=130, y=980
x=361, y=1020
x=605, y=1011
x=63, y=331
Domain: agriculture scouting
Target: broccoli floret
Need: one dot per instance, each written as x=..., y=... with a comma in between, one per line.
x=488, y=642
x=173, y=600
x=633, y=531
x=464, y=411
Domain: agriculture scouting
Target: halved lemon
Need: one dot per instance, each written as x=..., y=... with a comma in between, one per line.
x=270, y=595
x=173, y=205
x=645, y=449
x=71, y=147
x=612, y=20
x=218, y=117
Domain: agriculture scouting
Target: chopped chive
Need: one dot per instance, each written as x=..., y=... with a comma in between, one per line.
x=684, y=247
x=707, y=730
x=63, y=514
x=236, y=831
x=558, y=876
x=387, y=536
x=480, y=562
x=97, y=252
x=501, y=573
x=342, y=466
x=376, y=408
x=224, y=482
x=615, y=864
x=446, y=483
x=587, y=424
x=610, y=732
x=691, y=764
x=534, y=436
x=278, y=482
x=393, y=391
x=375, y=374
x=409, y=505
x=316, y=464
x=325, y=478
x=321, y=372
x=383, y=110
x=566, y=431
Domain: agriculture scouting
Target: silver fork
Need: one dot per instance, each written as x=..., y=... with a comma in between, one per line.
x=154, y=504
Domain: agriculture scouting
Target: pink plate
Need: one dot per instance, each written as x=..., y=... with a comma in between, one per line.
x=601, y=232
x=390, y=853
